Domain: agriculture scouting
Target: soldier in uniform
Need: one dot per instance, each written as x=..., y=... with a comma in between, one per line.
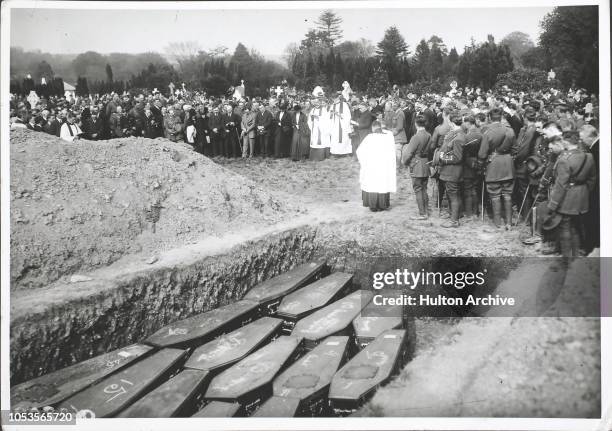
x=526, y=145
x=574, y=178
x=590, y=140
x=415, y=155
x=470, y=167
x=450, y=159
x=436, y=142
x=494, y=151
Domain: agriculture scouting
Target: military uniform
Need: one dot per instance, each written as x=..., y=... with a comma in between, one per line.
x=470, y=172
x=415, y=155
x=574, y=177
x=526, y=145
x=451, y=169
x=495, y=149
x=437, y=138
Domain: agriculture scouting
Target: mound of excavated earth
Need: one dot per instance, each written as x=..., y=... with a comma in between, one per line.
x=80, y=206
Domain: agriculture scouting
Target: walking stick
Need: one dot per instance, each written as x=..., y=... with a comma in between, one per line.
x=533, y=221
x=533, y=208
x=239, y=142
x=522, y=204
x=482, y=208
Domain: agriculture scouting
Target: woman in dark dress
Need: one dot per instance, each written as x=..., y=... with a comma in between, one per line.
x=300, y=142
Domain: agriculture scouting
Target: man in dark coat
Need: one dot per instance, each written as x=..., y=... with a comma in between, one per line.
x=150, y=125
x=118, y=123
x=415, y=155
x=263, y=124
x=92, y=125
x=231, y=122
x=217, y=132
x=202, y=131
x=409, y=114
x=159, y=118
x=283, y=132
x=136, y=119
x=52, y=126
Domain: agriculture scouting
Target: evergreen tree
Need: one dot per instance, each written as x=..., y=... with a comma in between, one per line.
x=392, y=47
x=329, y=24
x=82, y=89
x=435, y=63
x=57, y=86
x=391, y=50
x=437, y=42
x=378, y=83
x=450, y=63
x=330, y=69
x=109, y=73
x=421, y=60
x=240, y=63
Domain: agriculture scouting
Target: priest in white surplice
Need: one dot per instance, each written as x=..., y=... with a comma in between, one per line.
x=377, y=176
x=340, y=127
x=318, y=121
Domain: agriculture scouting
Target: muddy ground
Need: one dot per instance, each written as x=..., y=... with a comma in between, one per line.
x=110, y=206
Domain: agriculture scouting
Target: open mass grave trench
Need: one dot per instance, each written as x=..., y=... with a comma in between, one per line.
x=271, y=328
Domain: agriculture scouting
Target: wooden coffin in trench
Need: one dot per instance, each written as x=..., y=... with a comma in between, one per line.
x=249, y=382
x=270, y=293
x=359, y=378
x=308, y=379
x=204, y=327
x=116, y=392
x=177, y=397
x=334, y=319
x=55, y=387
x=376, y=319
x=311, y=297
x=234, y=346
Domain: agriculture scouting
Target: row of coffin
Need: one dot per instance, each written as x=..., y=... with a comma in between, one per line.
x=229, y=360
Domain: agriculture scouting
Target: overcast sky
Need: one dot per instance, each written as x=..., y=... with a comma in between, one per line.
x=268, y=31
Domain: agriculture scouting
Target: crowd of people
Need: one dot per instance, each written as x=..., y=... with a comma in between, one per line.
x=533, y=154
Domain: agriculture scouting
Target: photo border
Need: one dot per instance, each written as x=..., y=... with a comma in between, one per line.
x=378, y=423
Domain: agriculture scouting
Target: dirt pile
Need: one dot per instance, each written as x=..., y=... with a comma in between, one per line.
x=80, y=206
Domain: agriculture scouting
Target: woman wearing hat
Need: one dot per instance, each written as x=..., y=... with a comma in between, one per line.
x=300, y=142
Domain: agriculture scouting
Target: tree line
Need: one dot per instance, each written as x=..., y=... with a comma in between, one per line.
x=568, y=44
